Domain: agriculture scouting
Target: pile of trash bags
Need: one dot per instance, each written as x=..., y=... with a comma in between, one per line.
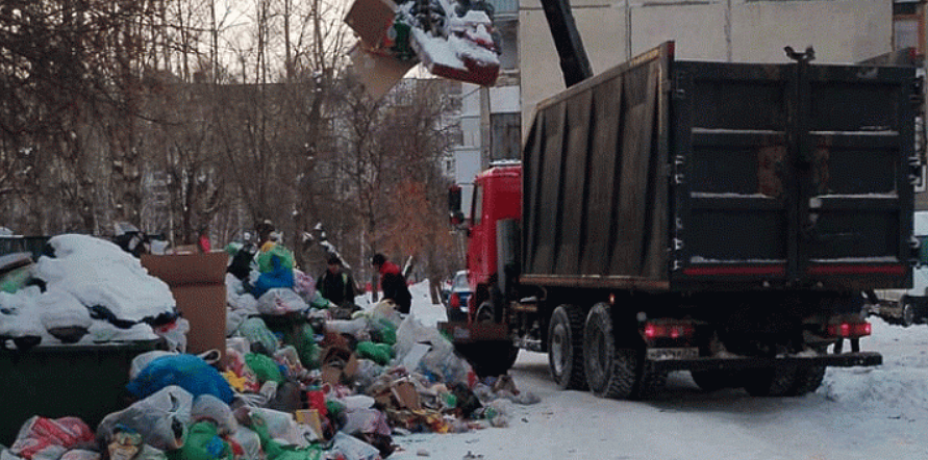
x=298, y=380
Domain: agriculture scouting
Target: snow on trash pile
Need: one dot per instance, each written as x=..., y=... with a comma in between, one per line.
x=93, y=290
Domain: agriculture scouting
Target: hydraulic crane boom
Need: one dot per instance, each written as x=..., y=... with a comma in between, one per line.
x=574, y=62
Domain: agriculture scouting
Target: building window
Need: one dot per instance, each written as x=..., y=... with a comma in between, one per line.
x=509, y=44
x=506, y=136
x=908, y=26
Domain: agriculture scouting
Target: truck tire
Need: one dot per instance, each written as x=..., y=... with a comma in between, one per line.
x=807, y=380
x=710, y=381
x=907, y=317
x=611, y=370
x=565, y=347
x=650, y=383
x=771, y=381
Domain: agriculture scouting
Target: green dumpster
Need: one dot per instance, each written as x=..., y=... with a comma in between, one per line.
x=85, y=381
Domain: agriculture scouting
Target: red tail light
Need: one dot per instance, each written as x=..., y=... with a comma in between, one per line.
x=654, y=331
x=850, y=330
x=455, y=301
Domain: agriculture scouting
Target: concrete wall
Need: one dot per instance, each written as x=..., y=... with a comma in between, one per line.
x=722, y=30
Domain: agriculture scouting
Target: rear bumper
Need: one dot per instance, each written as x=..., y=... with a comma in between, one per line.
x=737, y=363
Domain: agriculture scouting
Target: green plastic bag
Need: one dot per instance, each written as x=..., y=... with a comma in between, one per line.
x=265, y=264
x=202, y=443
x=273, y=450
x=379, y=353
x=257, y=332
x=265, y=368
x=387, y=332
x=307, y=347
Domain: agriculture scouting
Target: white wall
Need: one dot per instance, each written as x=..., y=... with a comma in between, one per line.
x=744, y=30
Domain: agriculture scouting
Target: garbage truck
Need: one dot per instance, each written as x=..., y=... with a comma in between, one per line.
x=711, y=217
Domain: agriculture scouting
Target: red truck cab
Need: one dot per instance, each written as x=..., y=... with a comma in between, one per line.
x=497, y=196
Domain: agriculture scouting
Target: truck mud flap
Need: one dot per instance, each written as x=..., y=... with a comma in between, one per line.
x=736, y=363
x=464, y=333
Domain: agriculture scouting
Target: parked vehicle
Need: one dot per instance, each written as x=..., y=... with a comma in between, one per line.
x=713, y=217
x=458, y=297
x=909, y=306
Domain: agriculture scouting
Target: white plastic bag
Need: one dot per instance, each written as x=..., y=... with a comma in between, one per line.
x=386, y=309
x=353, y=448
x=175, y=335
x=250, y=442
x=80, y=454
x=440, y=360
x=279, y=301
x=358, y=328
x=162, y=418
x=209, y=407
x=282, y=426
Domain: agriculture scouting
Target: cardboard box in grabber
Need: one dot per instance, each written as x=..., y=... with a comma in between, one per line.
x=392, y=41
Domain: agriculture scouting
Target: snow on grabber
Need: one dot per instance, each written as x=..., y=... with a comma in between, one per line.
x=452, y=39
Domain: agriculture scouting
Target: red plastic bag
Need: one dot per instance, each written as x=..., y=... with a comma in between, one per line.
x=40, y=433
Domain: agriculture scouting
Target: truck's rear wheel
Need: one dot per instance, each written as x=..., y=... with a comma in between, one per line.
x=565, y=347
x=771, y=381
x=714, y=380
x=807, y=380
x=610, y=370
x=907, y=318
x=650, y=383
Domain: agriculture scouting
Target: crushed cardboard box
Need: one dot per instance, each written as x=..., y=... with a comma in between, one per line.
x=339, y=365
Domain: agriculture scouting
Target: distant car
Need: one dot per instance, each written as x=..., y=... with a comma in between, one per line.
x=907, y=307
x=457, y=297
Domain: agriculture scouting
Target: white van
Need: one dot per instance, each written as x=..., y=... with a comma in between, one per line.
x=908, y=307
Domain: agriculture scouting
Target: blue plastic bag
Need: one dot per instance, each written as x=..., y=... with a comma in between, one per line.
x=187, y=371
x=279, y=276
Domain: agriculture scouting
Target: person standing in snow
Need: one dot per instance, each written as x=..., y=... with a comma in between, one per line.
x=335, y=284
x=392, y=283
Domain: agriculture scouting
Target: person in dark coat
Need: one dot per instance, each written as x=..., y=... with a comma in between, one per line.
x=335, y=284
x=392, y=283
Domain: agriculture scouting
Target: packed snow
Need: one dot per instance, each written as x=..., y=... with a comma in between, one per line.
x=858, y=413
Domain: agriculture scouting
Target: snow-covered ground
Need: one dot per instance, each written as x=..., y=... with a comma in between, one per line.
x=858, y=413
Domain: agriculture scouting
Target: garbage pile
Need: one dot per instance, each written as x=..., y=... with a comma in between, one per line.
x=299, y=379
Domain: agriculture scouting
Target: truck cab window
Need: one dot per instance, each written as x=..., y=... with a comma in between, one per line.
x=477, y=206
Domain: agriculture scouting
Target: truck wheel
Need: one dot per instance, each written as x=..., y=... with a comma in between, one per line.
x=610, y=371
x=650, y=383
x=907, y=318
x=713, y=380
x=808, y=379
x=772, y=381
x=565, y=347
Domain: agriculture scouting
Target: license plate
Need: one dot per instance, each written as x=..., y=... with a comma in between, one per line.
x=664, y=354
